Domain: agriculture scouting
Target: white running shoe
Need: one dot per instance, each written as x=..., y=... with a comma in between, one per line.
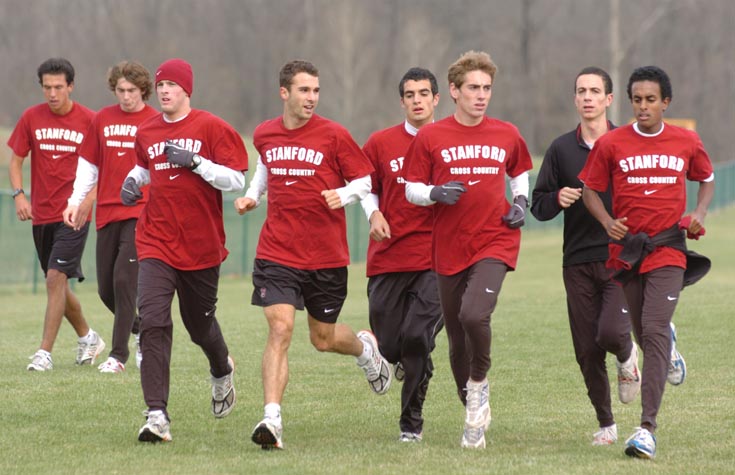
x=677, y=366
x=410, y=437
x=377, y=369
x=112, y=365
x=40, y=361
x=473, y=437
x=629, y=377
x=477, y=417
x=268, y=434
x=606, y=435
x=641, y=444
x=223, y=392
x=478, y=404
x=156, y=428
x=138, y=352
x=88, y=352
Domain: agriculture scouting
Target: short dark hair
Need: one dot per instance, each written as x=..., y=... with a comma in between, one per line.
x=292, y=68
x=419, y=74
x=56, y=66
x=597, y=72
x=135, y=73
x=653, y=74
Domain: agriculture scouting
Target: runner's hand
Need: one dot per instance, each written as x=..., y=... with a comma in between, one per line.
x=448, y=193
x=130, y=192
x=516, y=216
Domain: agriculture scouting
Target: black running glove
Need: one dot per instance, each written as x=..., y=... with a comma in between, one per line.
x=130, y=192
x=177, y=154
x=448, y=193
x=517, y=213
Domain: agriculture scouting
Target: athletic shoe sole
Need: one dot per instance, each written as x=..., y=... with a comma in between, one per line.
x=147, y=435
x=265, y=438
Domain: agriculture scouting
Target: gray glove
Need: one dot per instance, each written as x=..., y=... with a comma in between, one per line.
x=177, y=154
x=517, y=213
x=448, y=193
x=130, y=192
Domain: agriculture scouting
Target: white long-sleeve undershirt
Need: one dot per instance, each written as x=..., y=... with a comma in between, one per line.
x=352, y=192
x=86, y=179
x=141, y=175
x=219, y=176
x=258, y=184
x=418, y=193
x=355, y=190
x=519, y=185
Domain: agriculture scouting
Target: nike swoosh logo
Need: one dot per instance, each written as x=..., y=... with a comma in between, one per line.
x=489, y=291
x=649, y=192
x=173, y=177
x=329, y=310
x=206, y=314
x=132, y=260
x=624, y=310
x=120, y=154
x=55, y=156
x=473, y=182
x=61, y=261
x=670, y=298
x=289, y=183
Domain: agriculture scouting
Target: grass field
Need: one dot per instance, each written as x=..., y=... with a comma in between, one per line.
x=75, y=420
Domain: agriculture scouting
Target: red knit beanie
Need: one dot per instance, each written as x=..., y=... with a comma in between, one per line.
x=178, y=71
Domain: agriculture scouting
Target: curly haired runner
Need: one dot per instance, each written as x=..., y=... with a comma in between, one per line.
x=105, y=158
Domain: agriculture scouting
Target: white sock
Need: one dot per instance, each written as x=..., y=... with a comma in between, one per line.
x=272, y=410
x=89, y=337
x=476, y=384
x=367, y=353
x=44, y=352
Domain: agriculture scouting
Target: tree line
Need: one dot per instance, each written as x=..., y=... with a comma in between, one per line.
x=362, y=48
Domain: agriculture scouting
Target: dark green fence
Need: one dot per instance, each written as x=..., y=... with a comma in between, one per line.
x=20, y=266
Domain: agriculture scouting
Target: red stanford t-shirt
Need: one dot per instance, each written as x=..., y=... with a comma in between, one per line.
x=409, y=247
x=54, y=142
x=480, y=157
x=300, y=230
x=109, y=145
x=182, y=222
x=648, y=178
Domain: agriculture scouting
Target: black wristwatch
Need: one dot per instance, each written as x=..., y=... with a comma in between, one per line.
x=196, y=160
x=18, y=191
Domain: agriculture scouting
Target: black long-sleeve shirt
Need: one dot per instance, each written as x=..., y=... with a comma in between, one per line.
x=585, y=240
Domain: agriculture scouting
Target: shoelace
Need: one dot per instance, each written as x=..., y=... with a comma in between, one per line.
x=606, y=434
x=627, y=375
x=472, y=435
x=40, y=360
x=374, y=368
x=86, y=350
x=157, y=420
x=221, y=389
x=474, y=399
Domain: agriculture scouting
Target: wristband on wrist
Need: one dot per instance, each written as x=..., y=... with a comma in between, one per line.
x=18, y=191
